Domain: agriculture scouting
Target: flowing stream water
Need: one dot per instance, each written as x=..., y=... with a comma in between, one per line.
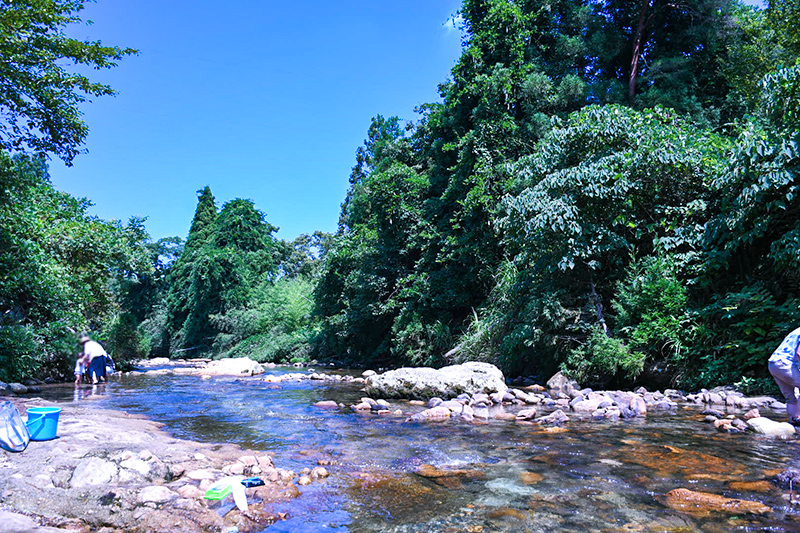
x=600, y=476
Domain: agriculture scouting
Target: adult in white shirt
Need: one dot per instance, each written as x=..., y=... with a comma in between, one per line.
x=97, y=358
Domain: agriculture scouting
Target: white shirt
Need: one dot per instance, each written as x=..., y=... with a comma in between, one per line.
x=93, y=349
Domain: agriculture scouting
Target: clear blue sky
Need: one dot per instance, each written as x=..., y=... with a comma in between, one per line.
x=257, y=99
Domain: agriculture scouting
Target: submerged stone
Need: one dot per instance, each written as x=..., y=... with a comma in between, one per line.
x=706, y=504
x=449, y=478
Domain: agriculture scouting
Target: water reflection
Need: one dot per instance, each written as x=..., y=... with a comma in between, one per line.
x=596, y=476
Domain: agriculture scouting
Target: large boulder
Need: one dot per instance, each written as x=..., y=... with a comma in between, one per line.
x=448, y=382
x=241, y=366
x=767, y=426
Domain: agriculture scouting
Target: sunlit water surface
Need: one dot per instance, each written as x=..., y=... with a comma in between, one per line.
x=597, y=476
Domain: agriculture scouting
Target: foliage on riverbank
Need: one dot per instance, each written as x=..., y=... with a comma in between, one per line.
x=608, y=189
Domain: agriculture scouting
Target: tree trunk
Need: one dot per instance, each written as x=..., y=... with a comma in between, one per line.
x=598, y=306
x=638, y=42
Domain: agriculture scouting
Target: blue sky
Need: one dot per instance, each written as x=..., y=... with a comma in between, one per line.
x=257, y=99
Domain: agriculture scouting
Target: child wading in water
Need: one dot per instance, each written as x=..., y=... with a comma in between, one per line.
x=81, y=366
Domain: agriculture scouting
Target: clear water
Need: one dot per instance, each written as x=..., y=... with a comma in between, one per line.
x=597, y=476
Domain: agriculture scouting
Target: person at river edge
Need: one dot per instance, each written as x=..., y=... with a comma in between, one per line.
x=97, y=358
x=81, y=367
x=784, y=365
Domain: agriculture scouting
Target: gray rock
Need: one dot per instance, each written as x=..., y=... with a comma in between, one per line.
x=765, y=401
x=561, y=383
x=18, y=523
x=447, y=382
x=156, y=494
x=481, y=411
x=555, y=418
x=137, y=465
x=481, y=397
x=586, y=406
x=497, y=397
x=739, y=424
x=435, y=402
x=518, y=394
x=609, y=413
x=664, y=405
x=18, y=388
x=93, y=471
x=455, y=407
x=577, y=399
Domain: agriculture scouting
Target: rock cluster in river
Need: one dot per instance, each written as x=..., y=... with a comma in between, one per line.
x=552, y=404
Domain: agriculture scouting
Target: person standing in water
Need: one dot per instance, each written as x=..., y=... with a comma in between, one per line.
x=97, y=358
x=784, y=365
x=81, y=363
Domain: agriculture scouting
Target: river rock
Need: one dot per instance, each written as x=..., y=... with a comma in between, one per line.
x=93, y=471
x=480, y=410
x=561, y=383
x=766, y=426
x=200, y=475
x=752, y=413
x=156, y=494
x=609, y=413
x=240, y=366
x=555, y=418
x=18, y=388
x=447, y=382
x=455, y=407
x=638, y=405
x=586, y=406
x=319, y=473
x=704, y=503
x=18, y=523
x=436, y=413
x=449, y=478
x=526, y=414
x=137, y=465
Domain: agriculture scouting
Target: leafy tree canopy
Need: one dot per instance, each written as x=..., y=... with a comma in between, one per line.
x=40, y=93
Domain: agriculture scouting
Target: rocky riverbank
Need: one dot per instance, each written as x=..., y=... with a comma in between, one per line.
x=113, y=472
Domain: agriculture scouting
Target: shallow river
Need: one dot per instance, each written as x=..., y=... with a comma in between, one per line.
x=596, y=476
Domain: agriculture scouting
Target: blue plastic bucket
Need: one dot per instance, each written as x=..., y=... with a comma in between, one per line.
x=43, y=422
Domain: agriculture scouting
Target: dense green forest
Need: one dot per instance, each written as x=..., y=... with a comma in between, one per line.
x=608, y=188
